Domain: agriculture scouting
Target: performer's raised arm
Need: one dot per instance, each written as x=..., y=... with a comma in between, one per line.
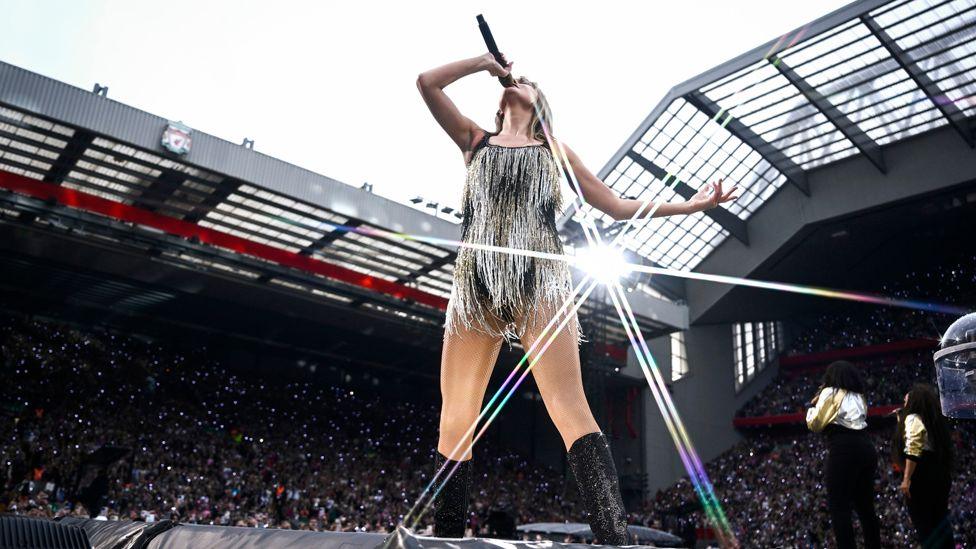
x=601, y=197
x=463, y=130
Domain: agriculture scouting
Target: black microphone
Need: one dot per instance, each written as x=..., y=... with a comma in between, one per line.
x=506, y=80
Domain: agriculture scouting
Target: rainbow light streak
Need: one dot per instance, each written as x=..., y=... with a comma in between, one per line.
x=372, y=231
x=518, y=366
x=679, y=434
x=505, y=383
x=682, y=441
x=721, y=279
x=689, y=457
x=806, y=290
x=963, y=102
x=532, y=362
x=692, y=462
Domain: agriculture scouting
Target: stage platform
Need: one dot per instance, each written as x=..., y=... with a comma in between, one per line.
x=170, y=535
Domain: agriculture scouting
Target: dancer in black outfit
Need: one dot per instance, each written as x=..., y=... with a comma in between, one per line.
x=511, y=198
x=840, y=412
x=924, y=450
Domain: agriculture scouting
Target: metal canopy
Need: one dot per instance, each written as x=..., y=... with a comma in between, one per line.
x=721, y=216
x=921, y=78
x=846, y=85
x=837, y=119
x=55, y=152
x=100, y=166
x=774, y=156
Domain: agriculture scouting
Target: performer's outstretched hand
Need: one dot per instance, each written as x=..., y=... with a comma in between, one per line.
x=711, y=195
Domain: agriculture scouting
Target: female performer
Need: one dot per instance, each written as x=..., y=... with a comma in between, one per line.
x=840, y=411
x=511, y=197
x=924, y=450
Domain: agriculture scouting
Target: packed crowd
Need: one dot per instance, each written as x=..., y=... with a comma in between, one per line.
x=951, y=282
x=212, y=446
x=772, y=491
x=772, y=485
x=885, y=378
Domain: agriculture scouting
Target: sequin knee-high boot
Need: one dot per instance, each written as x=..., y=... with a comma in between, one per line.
x=592, y=466
x=451, y=504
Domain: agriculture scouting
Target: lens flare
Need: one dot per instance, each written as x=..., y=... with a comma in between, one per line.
x=806, y=290
x=604, y=263
x=560, y=313
x=532, y=355
x=690, y=459
x=620, y=268
x=679, y=435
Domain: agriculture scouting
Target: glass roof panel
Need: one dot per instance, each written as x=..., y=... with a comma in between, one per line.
x=691, y=149
x=849, y=67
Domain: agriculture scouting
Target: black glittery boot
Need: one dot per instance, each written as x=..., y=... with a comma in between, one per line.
x=599, y=488
x=451, y=504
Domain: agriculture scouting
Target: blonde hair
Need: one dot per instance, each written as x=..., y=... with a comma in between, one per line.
x=540, y=106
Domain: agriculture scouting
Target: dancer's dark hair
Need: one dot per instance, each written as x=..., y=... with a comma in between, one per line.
x=844, y=375
x=924, y=401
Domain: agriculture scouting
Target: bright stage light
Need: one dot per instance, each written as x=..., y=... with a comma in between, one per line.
x=602, y=263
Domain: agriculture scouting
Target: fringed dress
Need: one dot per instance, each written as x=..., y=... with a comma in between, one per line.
x=511, y=197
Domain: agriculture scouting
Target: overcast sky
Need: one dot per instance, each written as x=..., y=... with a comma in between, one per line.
x=330, y=86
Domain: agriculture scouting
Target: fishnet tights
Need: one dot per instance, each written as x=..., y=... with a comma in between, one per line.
x=467, y=360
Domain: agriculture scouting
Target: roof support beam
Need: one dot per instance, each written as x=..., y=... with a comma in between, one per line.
x=949, y=110
x=851, y=131
x=794, y=174
x=330, y=237
x=426, y=269
x=69, y=157
x=79, y=200
x=160, y=190
x=723, y=217
x=226, y=188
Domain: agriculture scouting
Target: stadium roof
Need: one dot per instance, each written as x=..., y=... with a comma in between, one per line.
x=118, y=172
x=232, y=210
x=848, y=84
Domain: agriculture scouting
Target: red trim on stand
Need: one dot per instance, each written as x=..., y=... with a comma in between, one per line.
x=613, y=351
x=799, y=418
x=632, y=394
x=826, y=357
x=185, y=229
x=705, y=533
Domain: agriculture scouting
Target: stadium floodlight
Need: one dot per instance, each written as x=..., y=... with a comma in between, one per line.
x=417, y=199
x=603, y=263
x=447, y=209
